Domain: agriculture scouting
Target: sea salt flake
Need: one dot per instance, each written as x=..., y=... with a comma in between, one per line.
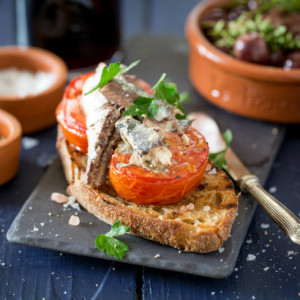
x=206, y=208
x=157, y=255
x=249, y=241
x=273, y=189
x=291, y=253
x=35, y=228
x=212, y=293
x=264, y=226
x=221, y=249
x=251, y=257
x=29, y=143
x=266, y=268
x=74, y=221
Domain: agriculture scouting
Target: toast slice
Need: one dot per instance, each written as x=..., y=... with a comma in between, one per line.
x=199, y=223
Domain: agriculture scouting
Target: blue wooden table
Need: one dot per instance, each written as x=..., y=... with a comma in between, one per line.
x=32, y=273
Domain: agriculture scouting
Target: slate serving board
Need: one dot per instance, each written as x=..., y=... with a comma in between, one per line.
x=43, y=223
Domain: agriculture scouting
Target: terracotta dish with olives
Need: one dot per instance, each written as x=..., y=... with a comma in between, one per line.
x=259, y=31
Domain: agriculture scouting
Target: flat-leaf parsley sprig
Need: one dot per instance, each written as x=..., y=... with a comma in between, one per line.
x=113, y=247
x=108, y=73
x=218, y=158
x=163, y=90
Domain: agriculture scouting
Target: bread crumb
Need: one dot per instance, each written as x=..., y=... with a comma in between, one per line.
x=59, y=198
x=74, y=221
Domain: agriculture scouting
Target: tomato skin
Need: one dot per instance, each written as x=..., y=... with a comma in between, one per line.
x=141, y=186
x=70, y=116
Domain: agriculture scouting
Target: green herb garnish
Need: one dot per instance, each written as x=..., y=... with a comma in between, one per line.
x=218, y=158
x=142, y=106
x=108, y=73
x=164, y=91
x=224, y=33
x=113, y=247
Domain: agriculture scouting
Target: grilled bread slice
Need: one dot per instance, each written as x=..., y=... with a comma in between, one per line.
x=199, y=223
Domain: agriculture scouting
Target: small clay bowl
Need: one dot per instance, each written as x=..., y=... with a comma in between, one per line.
x=35, y=112
x=252, y=90
x=10, y=145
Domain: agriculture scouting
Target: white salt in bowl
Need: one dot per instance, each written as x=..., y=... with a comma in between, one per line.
x=35, y=106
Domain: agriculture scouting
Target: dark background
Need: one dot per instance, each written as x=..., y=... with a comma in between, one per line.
x=31, y=273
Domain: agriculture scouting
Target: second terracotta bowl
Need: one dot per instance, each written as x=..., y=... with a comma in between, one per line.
x=10, y=144
x=256, y=91
x=35, y=112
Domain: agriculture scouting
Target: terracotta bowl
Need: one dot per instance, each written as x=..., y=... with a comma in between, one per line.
x=10, y=145
x=256, y=91
x=35, y=112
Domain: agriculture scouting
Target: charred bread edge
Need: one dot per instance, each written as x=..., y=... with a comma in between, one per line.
x=166, y=231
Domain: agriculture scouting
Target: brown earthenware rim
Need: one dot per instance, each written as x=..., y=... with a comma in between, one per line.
x=225, y=61
x=13, y=126
x=37, y=57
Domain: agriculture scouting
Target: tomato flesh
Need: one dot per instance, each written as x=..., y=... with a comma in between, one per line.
x=137, y=184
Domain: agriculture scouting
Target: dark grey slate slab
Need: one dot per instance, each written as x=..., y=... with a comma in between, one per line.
x=42, y=223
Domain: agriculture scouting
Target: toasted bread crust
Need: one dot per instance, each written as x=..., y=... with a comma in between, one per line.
x=202, y=229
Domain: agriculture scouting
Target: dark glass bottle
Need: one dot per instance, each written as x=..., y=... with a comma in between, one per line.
x=82, y=32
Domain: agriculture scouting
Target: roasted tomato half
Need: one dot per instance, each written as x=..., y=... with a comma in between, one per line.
x=137, y=184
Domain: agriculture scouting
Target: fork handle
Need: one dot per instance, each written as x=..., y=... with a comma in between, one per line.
x=276, y=210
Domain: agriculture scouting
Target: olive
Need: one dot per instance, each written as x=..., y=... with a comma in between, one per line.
x=215, y=15
x=277, y=58
x=292, y=61
x=235, y=12
x=292, y=22
x=251, y=47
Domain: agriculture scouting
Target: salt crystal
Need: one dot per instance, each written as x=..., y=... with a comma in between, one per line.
x=206, y=208
x=251, y=257
x=74, y=221
x=16, y=82
x=156, y=255
x=275, y=131
x=59, y=198
x=221, y=249
x=249, y=241
x=35, y=228
x=266, y=268
x=29, y=143
x=264, y=226
x=290, y=253
x=212, y=171
x=273, y=189
x=213, y=293
x=190, y=206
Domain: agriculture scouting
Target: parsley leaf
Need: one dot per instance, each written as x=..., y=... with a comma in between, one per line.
x=113, y=247
x=162, y=90
x=108, y=73
x=218, y=158
x=142, y=106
